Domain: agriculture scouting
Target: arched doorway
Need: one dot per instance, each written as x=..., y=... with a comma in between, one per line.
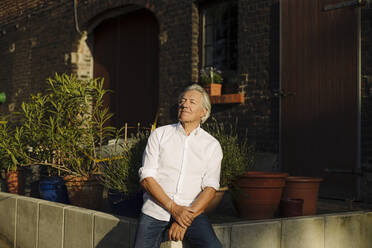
x=126, y=55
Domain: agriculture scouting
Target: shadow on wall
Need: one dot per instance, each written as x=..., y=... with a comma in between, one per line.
x=118, y=236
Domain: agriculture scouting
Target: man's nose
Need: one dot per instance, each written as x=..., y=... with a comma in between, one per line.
x=185, y=104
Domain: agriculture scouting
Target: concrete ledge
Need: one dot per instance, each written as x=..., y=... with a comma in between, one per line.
x=309, y=232
x=51, y=222
x=344, y=230
x=7, y=219
x=367, y=234
x=112, y=231
x=78, y=228
x=256, y=234
x=29, y=222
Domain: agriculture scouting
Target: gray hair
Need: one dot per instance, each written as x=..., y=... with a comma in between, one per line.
x=206, y=102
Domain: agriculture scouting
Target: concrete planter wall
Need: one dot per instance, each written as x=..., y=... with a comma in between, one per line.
x=28, y=222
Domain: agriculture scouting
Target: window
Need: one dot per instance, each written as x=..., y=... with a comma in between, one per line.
x=219, y=23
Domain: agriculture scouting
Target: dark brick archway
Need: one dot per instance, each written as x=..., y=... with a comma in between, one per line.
x=126, y=55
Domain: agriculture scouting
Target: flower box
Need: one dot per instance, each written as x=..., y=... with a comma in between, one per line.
x=228, y=98
x=213, y=89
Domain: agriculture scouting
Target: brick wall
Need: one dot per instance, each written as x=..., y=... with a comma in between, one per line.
x=258, y=56
x=38, y=38
x=35, y=37
x=45, y=40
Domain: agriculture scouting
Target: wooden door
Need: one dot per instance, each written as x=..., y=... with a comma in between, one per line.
x=319, y=104
x=126, y=55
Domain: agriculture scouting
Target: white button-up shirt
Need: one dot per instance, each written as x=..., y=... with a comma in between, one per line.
x=182, y=165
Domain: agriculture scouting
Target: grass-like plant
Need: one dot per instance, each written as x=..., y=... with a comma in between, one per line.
x=11, y=147
x=122, y=174
x=238, y=154
x=210, y=75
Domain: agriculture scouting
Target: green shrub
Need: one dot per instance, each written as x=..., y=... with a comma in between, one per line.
x=238, y=155
x=122, y=174
x=62, y=127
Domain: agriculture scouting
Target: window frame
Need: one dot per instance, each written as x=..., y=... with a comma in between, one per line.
x=229, y=67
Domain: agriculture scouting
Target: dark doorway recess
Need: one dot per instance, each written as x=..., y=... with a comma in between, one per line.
x=126, y=55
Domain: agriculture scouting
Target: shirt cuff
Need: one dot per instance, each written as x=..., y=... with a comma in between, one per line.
x=143, y=173
x=211, y=183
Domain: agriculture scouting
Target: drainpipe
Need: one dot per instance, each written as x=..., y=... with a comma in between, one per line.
x=76, y=18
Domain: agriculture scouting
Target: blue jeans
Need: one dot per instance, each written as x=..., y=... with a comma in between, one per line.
x=200, y=234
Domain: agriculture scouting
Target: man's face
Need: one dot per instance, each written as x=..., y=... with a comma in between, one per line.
x=190, y=107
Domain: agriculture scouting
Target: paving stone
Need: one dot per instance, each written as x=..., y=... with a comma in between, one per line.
x=344, y=231
x=78, y=229
x=309, y=232
x=111, y=231
x=7, y=215
x=223, y=232
x=50, y=225
x=27, y=222
x=256, y=234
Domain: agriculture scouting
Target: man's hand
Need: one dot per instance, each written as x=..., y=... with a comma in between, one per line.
x=176, y=232
x=184, y=216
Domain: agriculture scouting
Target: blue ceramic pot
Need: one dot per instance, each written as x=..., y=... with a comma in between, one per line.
x=53, y=189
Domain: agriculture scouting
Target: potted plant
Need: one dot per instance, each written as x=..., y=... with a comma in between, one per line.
x=305, y=188
x=120, y=176
x=65, y=128
x=11, y=146
x=259, y=193
x=256, y=194
x=211, y=79
x=238, y=157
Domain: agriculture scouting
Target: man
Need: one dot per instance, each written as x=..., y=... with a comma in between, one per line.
x=180, y=173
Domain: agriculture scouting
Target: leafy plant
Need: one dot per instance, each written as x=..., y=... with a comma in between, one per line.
x=62, y=128
x=238, y=155
x=210, y=75
x=11, y=147
x=122, y=174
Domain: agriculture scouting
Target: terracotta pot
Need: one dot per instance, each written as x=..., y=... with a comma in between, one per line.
x=291, y=207
x=216, y=200
x=259, y=194
x=15, y=181
x=84, y=192
x=213, y=89
x=305, y=188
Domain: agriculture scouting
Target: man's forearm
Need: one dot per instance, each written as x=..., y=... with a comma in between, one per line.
x=156, y=191
x=203, y=200
x=183, y=215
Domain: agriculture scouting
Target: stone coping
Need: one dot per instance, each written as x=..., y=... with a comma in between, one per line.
x=30, y=222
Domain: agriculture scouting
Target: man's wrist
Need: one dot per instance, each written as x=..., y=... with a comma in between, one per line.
x=170, y=205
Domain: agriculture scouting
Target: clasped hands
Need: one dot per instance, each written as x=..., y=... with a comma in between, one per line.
x=183, y=217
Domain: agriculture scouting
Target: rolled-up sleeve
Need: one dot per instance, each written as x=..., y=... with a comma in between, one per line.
x=212, y=176
x=150, y=158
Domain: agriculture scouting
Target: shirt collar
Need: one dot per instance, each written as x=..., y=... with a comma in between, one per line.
x=182, y=130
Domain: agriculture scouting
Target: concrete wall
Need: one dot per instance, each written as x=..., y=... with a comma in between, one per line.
x=33, y=223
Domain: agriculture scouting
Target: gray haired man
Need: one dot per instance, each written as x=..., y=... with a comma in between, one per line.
x=180, y=173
